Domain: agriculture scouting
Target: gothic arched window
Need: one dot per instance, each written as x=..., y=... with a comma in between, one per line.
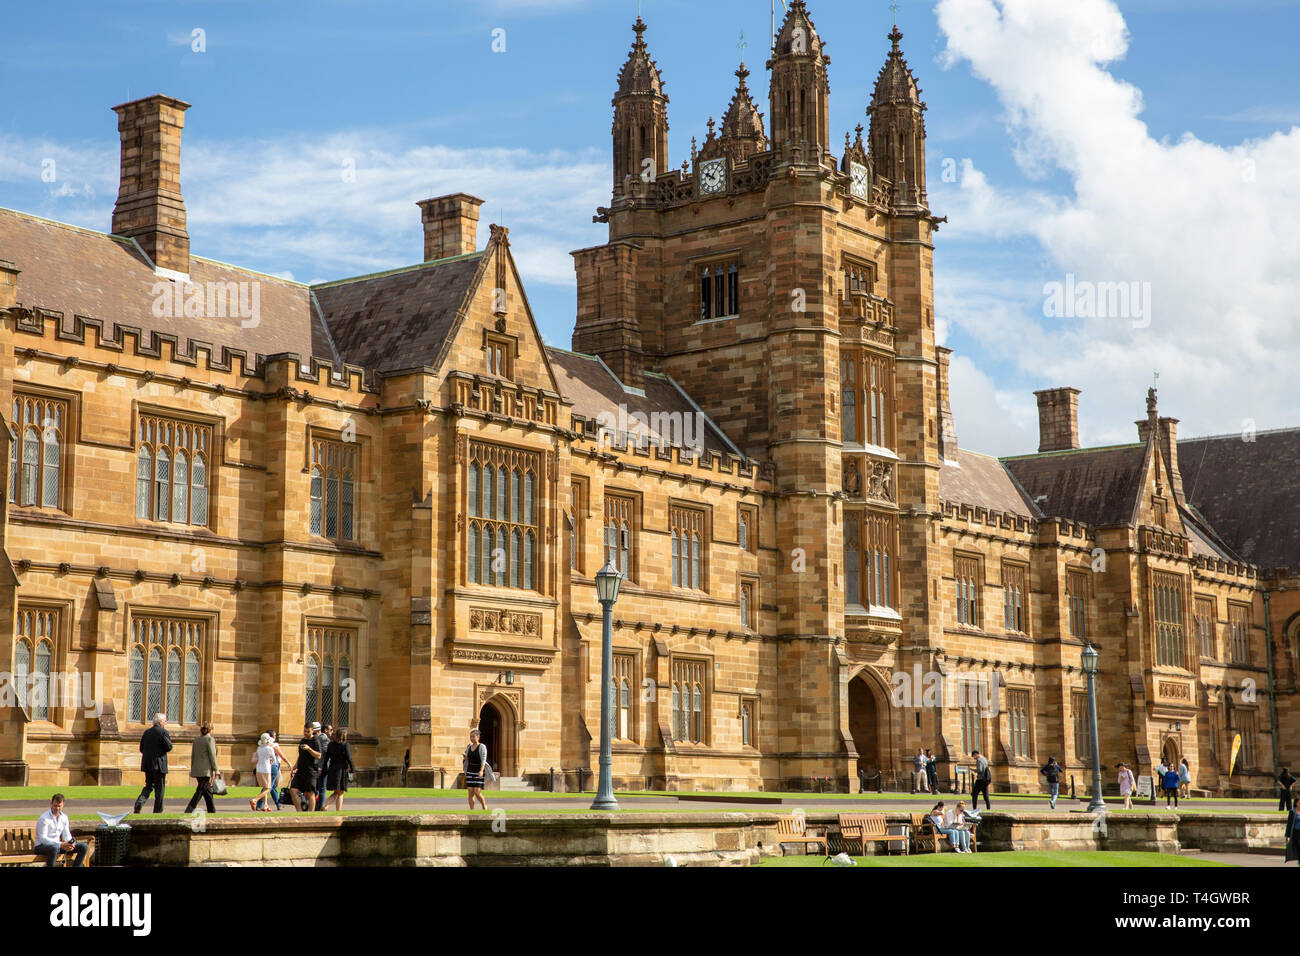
x=333, y=489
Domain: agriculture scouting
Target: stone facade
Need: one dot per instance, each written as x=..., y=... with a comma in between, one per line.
x=754, y=425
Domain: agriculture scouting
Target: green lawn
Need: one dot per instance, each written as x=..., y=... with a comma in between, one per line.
x=1031, y=858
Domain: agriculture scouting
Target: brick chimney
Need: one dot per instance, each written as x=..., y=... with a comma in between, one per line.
x=8, y=284
x=606, y=323
x=1058, y=419
x=149, y=205
x=450, y=225
x=947, y=426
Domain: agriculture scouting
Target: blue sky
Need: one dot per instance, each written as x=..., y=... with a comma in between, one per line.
x=1150, y=141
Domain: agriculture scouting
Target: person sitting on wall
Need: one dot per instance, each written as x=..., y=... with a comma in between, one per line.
x=54, y=835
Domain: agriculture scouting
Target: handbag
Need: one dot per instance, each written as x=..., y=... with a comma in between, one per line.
x=218, y=784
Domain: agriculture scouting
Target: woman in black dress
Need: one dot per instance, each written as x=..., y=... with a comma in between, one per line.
x=338, y=768
x=474, y=762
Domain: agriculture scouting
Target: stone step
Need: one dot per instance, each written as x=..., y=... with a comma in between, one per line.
x=513, y=783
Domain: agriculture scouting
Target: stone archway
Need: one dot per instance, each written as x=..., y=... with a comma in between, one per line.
x=499, y=731
x=869, y=723
x=864, y=727
x=1171, y=752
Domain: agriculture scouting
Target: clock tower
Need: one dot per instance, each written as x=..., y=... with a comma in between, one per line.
x=788, y=291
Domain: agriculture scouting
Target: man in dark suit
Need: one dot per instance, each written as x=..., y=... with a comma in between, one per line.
x=155, y=744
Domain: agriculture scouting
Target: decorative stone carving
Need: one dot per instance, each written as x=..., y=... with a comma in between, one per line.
x=477, y=655
x=880, y=481
x=852, y=480
x=500, y=621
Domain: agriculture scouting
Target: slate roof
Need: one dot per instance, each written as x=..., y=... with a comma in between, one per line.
x=1249, y=492
x=398, y=319
x=594, y=389
x=82, y=272
x=982, y=481
x=1098, y=486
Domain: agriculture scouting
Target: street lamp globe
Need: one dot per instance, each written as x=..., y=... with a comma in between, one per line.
x=1089, y=657
x=608, y=580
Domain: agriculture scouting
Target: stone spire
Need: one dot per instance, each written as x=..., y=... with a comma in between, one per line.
x=800, y=91
x=640, y=117
x=742, y=126
x=898, y=127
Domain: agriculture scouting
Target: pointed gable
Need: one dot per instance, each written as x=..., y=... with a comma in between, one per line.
x=399, y=319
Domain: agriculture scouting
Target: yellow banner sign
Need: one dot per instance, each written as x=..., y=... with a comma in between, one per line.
x=1236, y=749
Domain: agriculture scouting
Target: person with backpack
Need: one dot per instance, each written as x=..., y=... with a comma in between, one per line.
x=475, y=765
x=931, y=772
x=1053, y=774
x=1171, y=786
x=983, y=777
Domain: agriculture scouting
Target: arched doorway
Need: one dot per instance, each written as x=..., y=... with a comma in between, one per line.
x=1171, y=752
x=496, y=725
x=863, y=725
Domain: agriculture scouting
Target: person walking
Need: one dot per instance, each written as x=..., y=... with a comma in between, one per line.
x=280, y=760
x=1127, y=784
x=475, y=765
x=338, y=768
x=919, y=779
x=263, y=759
x=155, y=745
x=1185, y=778
x=323, y=734
x=983, y=777
x=1052, y=771
x=54, y=835
x=1285, y=782
x=1171, y=786
x=302, y=786
x=931, y=772
x=203, y=768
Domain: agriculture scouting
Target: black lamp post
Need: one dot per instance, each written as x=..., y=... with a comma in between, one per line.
x=1089, y=659
x=608, y=580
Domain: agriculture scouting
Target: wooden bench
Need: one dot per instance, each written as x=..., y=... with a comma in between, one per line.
x=923, y=830
x=795, y=830
x=861, y=827
x=18, y=846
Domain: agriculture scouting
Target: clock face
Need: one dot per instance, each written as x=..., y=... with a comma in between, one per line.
x=713, y=176
x=858, y=184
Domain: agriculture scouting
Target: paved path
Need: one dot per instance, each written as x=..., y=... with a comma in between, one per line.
x=869, y=802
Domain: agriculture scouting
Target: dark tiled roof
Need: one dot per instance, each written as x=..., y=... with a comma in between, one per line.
x=81, y=272
x=982, y=482
x=1249, y=492
x=399, y=319
x=593, y=389
x=1098, y=486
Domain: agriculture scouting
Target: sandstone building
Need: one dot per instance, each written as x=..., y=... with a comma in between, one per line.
x=381, y=501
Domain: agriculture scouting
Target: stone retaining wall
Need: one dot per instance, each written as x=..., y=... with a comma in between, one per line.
x=635, y=839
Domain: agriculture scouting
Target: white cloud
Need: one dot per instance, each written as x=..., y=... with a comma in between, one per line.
x=269, y=204
x=1210, y=227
